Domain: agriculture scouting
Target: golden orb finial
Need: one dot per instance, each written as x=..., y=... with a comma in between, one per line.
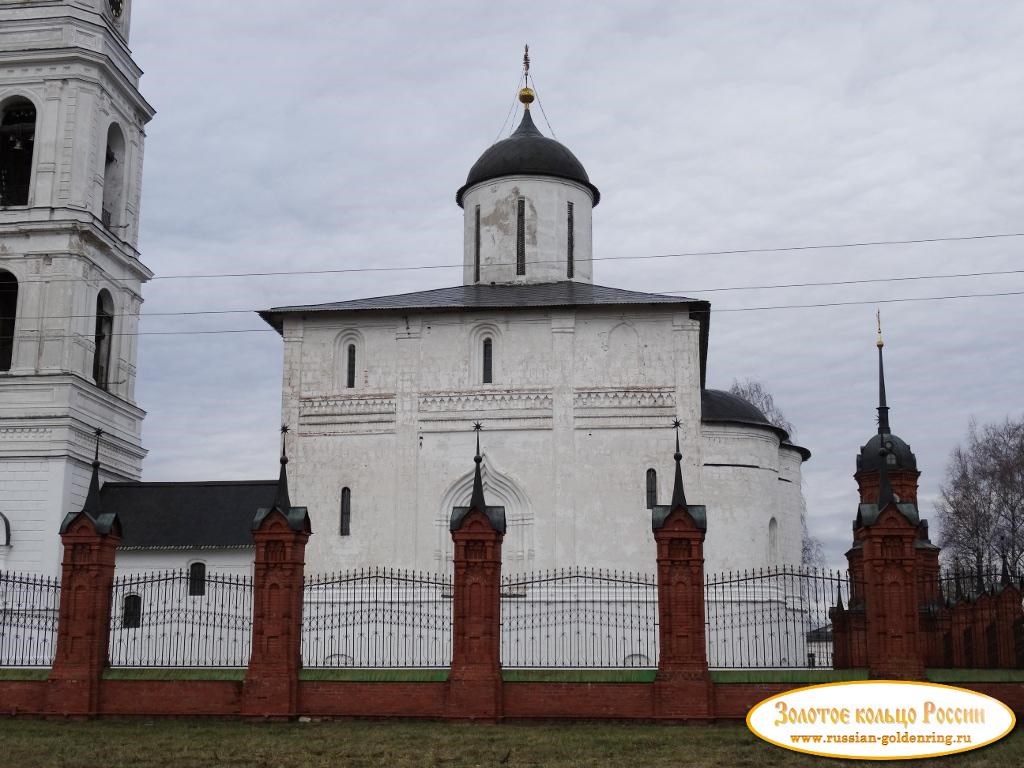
x=878, y=319
x=526, y=96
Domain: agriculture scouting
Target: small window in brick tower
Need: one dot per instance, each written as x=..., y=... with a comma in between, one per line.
x=488, y=361
x=17, y=140
x=102, y=339
x=350, y=371
x=345, y=522
x=8, y=311
x=197, y=579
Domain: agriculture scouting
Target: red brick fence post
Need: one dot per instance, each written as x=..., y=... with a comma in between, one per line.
x=683, y=684
x=280, y=532
x=90, y=540
x=474, y=682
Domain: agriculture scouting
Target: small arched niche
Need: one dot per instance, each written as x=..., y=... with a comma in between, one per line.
x=113, y=177
x=17, y=142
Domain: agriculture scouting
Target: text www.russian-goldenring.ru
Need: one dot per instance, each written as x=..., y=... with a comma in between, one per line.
x=884, y=740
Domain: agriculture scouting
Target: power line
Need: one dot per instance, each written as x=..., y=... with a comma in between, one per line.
x=460, y=265
x=825, y=283
x=816, y=305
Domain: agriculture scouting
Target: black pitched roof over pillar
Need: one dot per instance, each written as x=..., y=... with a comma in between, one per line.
x=93, y=506
x=496, y=515
x=660, y=512
x=297, y=517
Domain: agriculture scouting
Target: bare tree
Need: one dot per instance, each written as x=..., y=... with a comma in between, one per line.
x=754, y=392
x=982, y=506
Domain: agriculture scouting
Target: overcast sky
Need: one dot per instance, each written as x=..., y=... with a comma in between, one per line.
x=325, y=134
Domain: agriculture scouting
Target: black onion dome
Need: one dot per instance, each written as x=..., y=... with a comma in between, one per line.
x=870, y=459
x=527, y=152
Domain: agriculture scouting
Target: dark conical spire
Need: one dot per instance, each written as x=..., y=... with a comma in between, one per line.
x=281, y=500
x=883, y=408
x=678, y=495
x=92, y=506
x=839, y=599
x=477, y=500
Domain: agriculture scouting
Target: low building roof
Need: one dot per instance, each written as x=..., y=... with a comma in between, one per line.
x=187, y=515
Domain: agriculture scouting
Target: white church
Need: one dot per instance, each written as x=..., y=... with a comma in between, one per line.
x=577, y=384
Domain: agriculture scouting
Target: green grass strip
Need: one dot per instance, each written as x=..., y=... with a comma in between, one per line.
x=808, y=676
x=975, y=675
x=159, y=673
x=375, y=675
x=24, y=674
x=578, y=675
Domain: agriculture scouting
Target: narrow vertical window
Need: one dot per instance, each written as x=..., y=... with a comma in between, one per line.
x=350, y=372
x=17, y=139
x=113, y=178
x=345, y=520
x=8, y=311
x=652, y=488
x=197, y=579
x=488, y=361
x=131, y=612
x=570, y=242
x=476, y=248
x=521, y=238
x=102, y=339
x=773, y=542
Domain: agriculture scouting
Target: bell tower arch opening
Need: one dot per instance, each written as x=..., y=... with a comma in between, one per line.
x=17, y=145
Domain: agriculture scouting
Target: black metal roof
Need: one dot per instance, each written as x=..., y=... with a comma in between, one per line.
x=187, y=515
x=527, y=152
x=720, y=407
x=870, y=457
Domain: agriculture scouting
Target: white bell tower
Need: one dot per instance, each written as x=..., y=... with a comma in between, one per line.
x=71, y=143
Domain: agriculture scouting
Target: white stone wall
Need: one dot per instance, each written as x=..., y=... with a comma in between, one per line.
x=546, y=229
x=750, y=480
x=233, y=562
x=581, y=407
x=71, y=60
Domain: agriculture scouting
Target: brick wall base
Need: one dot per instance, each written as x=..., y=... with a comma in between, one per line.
x=519, y=700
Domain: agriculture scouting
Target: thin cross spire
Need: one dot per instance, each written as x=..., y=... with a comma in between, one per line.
x=678, y=495
x=477, y=500
x=281, y=500
x=883, y=408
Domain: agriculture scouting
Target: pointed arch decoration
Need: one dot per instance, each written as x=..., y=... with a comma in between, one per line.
x=518, y=548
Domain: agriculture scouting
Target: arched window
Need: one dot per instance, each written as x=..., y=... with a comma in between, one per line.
x=113, y=177
x=17, y=140
x=652, y=488
x=773, y=542
x=5, y=531
x=8, y=311
x=345, y=520
x=488, y=358
x=131, y=612
x=476, y=248
x=197, y=579
x=350, y=366
x=104, y=332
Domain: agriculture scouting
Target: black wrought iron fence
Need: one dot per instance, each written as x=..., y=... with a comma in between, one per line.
x=377, y=617
x=29, y=605
x=961, y=584
x=773, y=617
x=174, y=619
x=579, y=617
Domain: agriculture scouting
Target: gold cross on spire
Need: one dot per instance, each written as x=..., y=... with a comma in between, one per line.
x=878, y=319
x=526, y=94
